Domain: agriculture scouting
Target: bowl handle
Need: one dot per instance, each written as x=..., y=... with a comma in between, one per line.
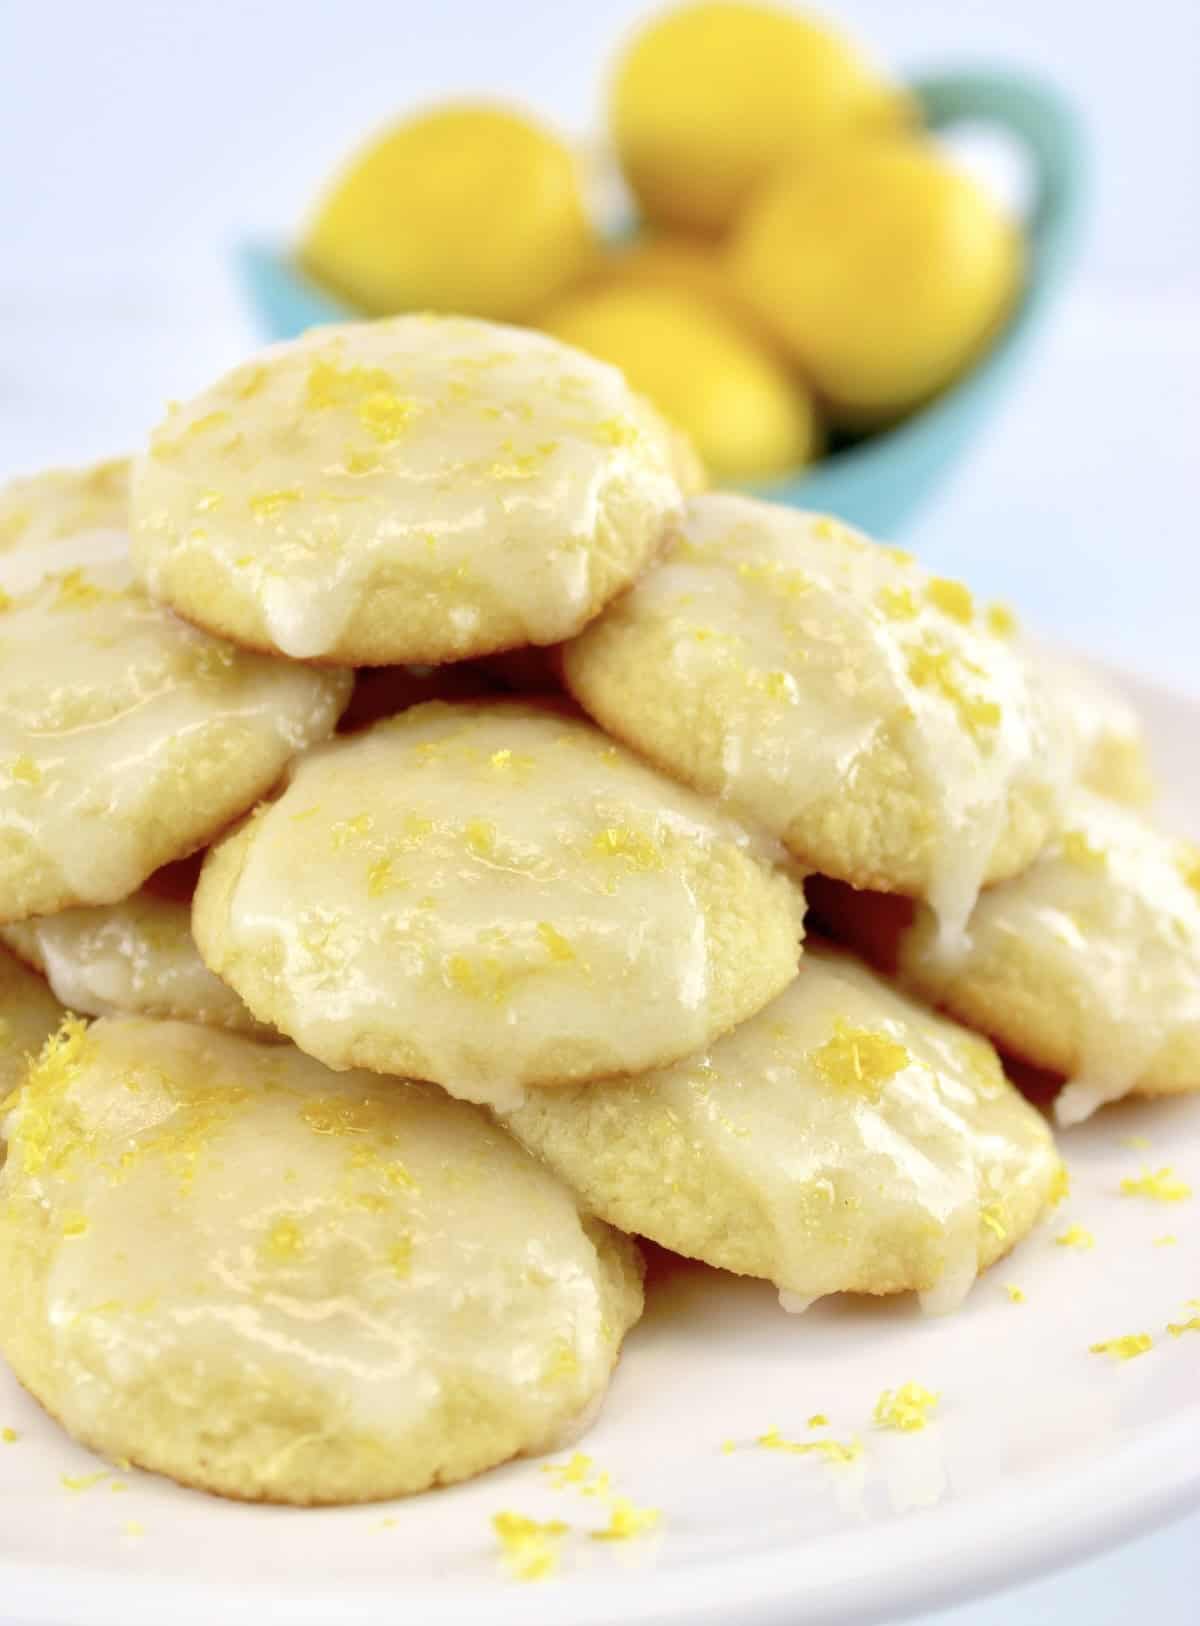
x=1045, y=125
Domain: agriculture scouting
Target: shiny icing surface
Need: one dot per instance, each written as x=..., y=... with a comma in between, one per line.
x=489, y=895
x=844, y=1138
x=28, y=1013
x=795, y=646
x=40, y=508
x=137, y=956
x=1104, y=932
x=207, y=1217
x=484, y=466
x=126, y=736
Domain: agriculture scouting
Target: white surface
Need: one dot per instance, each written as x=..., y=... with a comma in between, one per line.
x=1041, y=1451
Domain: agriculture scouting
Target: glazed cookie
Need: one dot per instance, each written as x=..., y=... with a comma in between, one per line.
x=842, y=1140
x=29, y=1012
x=425, y=488
x=40, y=508
x=493, y=895
x=1088, y=965
x=221, y=1262
x=127, y=738
x=828, y=687
x=1102, y=730
x=137, y=956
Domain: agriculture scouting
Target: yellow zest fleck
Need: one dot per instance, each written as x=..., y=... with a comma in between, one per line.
x=1167, y=1241
x=82, y=1482
x=830, y=1450
x=1127, y=1348
x=329, y=385
x=133, y=1530
x=575, y=1471
x=1078, y=850
x=728, y=1447
x=251, y=381
x=385, y=415
x=993, y=1217
x=1001, y=621
x=75, y=592
x=23, y=770
x=1016, y=1295
x=556, y=944
x=906, y=1409
x=828, y=529
x=951, y=598
x=777, y=684
x=1076, y=1237
x=380, y=878
x=528, y=1550
x=268, y=503
x=636, y=849
x=75, y=1225
x=1160, y=1185
x=9, y=1436
x=898, y=603
x=859, y=1059
x=627, y=1521
x=934, y=668
x=1060, y=1185
x=283, y=1240
x=210, y=420
x=481, y=838
x=783, y=580
x=1188, y=864
x=818, y=1420
x=1178, y=1328
x=615, y=432
x=400, y=1257
x=364, y=462
x=347, y=830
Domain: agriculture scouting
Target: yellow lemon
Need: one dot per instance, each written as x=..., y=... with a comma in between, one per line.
x=709, y=98
x=673, y=260
x=883, y=270
x=466, y=208
x=746, y=416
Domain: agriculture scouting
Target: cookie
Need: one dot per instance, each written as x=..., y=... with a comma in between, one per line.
x=29, y=1013
x=127, y=738
x=222, y=1262
x=494, y=895
x=831, y=689
x=1087, y=966
x=843, y=1140
x=61, y=503
x=1103, y=731
x=136, y=956
x=421, y=489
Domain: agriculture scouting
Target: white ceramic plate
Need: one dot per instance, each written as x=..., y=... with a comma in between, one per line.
x=1041, y=1451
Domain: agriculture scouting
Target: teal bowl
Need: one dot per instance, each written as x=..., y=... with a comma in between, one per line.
x=880, y=481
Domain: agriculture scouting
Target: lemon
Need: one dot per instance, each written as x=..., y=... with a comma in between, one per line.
x=883, y=270
x=679, y=260
x=466, y=208
x=709, y=98
x=745, y=415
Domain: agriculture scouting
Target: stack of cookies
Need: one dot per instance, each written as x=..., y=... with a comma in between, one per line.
x=410, y=783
